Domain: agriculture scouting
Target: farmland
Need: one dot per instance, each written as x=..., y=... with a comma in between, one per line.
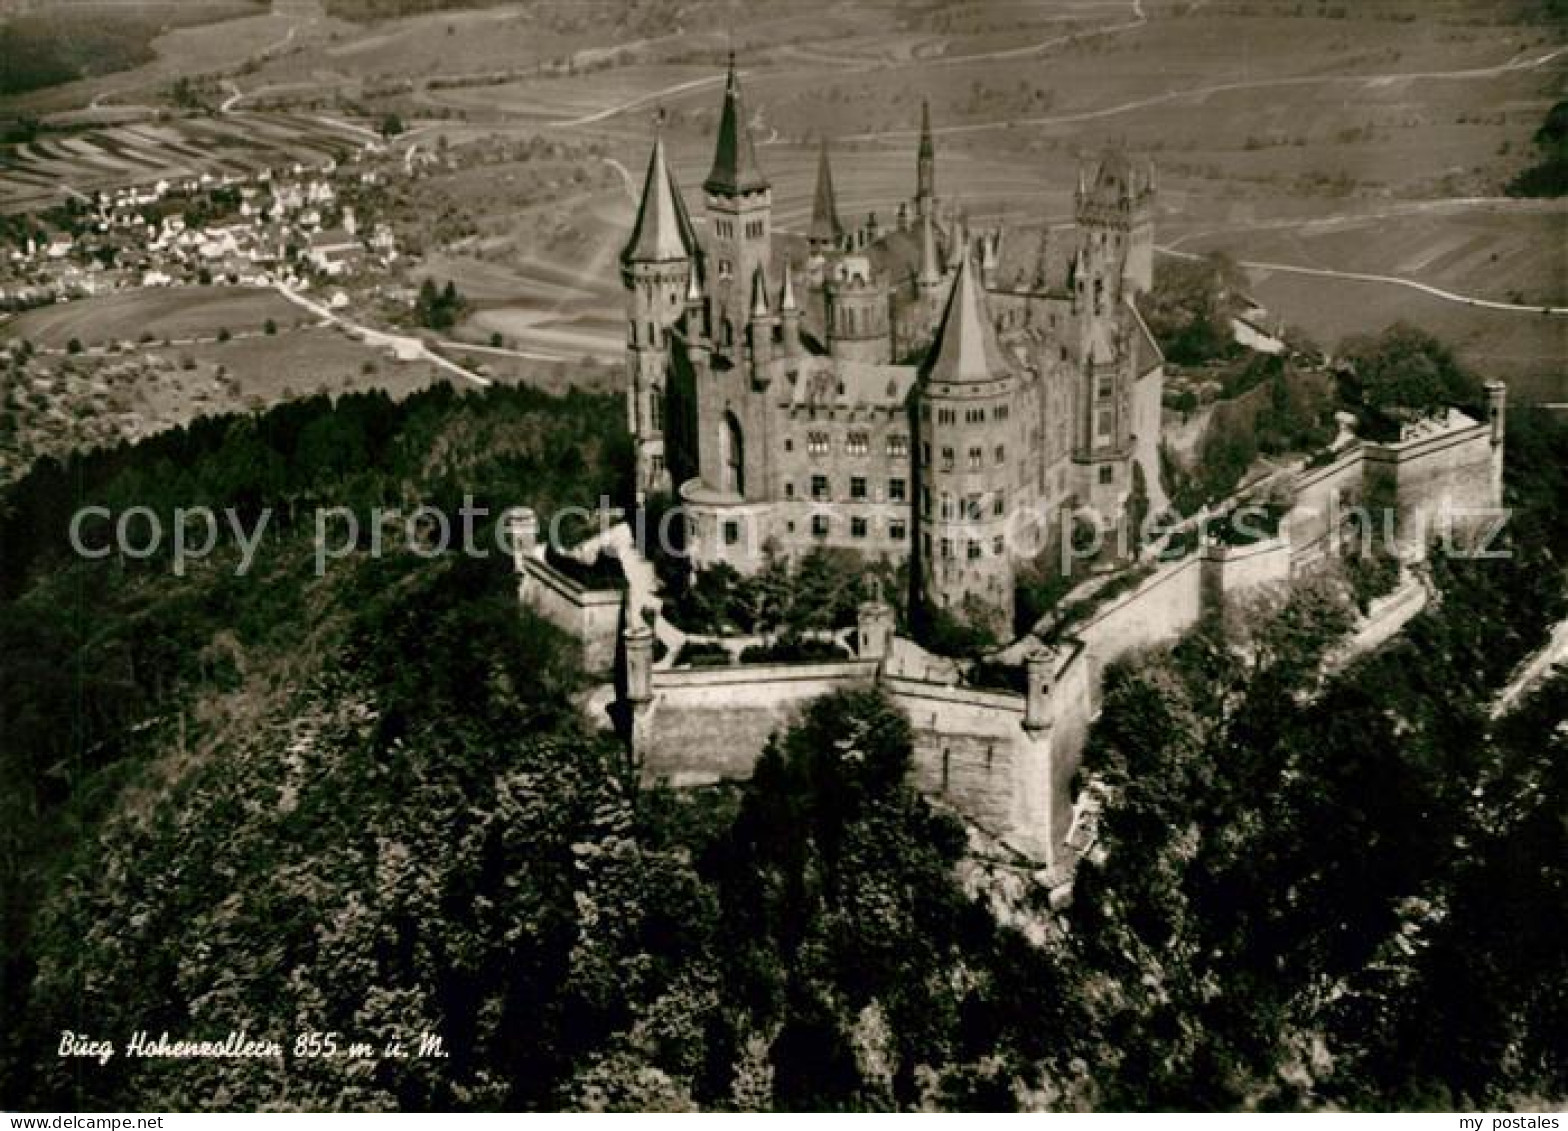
x=175, y=313
x=1358, y=138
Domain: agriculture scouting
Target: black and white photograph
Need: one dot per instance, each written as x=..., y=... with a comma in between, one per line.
x=714, y=556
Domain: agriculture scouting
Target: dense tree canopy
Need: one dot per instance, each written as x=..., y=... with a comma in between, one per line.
x=366, y=803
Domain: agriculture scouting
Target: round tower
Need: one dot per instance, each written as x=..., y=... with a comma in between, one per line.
x=968, y=420
x=656, y=270
x=857, y=312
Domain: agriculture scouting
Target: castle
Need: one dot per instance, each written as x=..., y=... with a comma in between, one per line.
x=909, y=392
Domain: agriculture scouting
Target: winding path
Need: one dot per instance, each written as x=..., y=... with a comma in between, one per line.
x=1392, y=280
x=404, y=346
x=1170, y=96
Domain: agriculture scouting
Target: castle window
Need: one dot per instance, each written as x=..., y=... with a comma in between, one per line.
x=726, y=269
x=925, y=502
x=1102, y=386
x=731, y=533
x=1001, y=454
x=946, y=416
x=999, y=504
x=857, y=444
x=789, y=443
x=817, y=443
x=897, y=445
x=895, y=490
x=972, y=508
x=974, y=416
x=658, y=409
x=947, y=459
x=947, y=507
x=1104, y=423
x=857, y=527
x=997, y=546
x=947, y=547
x=896, y=530
x=973, y=549
x=1107, y=473
x=819, y=486
x=1001, y=412
x=857, y=488
x=789, y=490
x=819, y=525
x=976, y=459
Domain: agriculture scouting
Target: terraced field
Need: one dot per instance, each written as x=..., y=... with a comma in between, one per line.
x=36, y=174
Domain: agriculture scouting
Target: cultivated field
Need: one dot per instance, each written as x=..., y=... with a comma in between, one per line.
x=173, y=313
x=1372, y=138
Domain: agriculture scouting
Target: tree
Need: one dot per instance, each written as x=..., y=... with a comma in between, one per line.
x=1190, y=307
x=1402, y=373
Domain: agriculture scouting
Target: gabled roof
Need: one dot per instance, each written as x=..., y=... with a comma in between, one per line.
x=825, y=226
x=663, y=231
x=735, y=168
x=966, y=348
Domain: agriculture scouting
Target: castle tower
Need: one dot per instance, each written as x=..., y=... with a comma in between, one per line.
x=826, y=232
x=858, y=325
x=1115, y=215
x=657, y=267
x=740, y=207
x=969, y=453
x=925, y=166
x=1113, y=263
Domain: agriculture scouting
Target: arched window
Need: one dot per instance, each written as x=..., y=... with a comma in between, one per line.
x=656, y=396
x=733, y=450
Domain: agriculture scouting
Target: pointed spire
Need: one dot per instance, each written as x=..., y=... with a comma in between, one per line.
x=825, y=228
x=787, y=304
x=735, y=168
x=925, y=163
x=759, y=294
x=663, y=231
x=930, y=268
x=966, y=348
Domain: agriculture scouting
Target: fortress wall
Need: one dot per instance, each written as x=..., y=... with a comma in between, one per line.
x=1232, y=569
x=972, y=751
x=593, y=616
x=710, y=724
x=971, y=746
x=1159, y=610
x=1320, y=491
x=1436, y=476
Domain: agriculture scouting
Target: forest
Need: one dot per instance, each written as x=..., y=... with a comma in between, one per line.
x=367, y=804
